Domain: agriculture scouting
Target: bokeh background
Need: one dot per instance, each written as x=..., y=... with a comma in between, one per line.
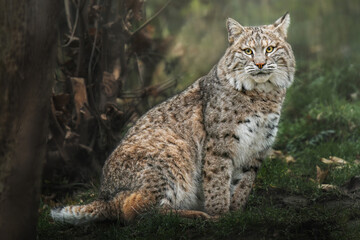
x=321, y=33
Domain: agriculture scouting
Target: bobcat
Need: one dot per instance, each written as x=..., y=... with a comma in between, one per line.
x=197, y=153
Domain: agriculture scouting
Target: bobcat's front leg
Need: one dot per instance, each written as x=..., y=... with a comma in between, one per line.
x=242, y=189
x=217, y=171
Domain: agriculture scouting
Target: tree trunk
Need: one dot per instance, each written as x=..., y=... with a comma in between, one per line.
x=28, y=44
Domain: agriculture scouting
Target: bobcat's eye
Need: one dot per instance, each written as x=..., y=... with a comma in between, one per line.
x=269, y=49
x=248, y=51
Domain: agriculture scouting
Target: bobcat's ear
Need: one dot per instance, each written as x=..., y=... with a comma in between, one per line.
x=234, y=30
x=282, y=24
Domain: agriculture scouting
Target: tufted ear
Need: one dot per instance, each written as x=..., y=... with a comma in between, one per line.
x=282, y=24
x=234, y=30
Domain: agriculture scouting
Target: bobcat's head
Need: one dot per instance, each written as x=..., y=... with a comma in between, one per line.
x=258, y=57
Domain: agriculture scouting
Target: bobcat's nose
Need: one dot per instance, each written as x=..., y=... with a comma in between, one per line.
x=260, y=65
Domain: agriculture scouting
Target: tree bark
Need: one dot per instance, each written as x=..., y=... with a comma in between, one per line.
x=28, y=45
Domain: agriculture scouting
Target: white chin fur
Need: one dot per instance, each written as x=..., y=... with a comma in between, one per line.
x=261, y=79
x=265, y=83
x=244, y=81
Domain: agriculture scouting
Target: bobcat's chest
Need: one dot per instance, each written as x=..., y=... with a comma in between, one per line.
x=255, y=136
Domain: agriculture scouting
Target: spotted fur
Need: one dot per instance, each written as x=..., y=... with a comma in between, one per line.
x=197, y=153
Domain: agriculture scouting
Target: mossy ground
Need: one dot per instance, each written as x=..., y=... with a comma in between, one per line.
x=321, y=118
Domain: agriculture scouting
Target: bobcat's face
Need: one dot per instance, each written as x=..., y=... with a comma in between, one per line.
x=259, y=57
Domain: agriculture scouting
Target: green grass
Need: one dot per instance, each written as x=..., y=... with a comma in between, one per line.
x=320, y=119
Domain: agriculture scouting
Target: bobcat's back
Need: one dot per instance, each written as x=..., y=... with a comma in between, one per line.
x=162, y=152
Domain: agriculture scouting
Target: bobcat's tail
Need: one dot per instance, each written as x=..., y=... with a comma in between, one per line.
x=124, y=205
x=79, y=214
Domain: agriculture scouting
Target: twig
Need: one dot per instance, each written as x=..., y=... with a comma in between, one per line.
x=93, y=46
x=138, y=68
x=90, y=65
x=67, y=13
x=71, y=38
x=138, y=93
x=150, y=19
x=81, y=49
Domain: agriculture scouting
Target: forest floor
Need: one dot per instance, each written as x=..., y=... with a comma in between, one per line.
x=308, y=189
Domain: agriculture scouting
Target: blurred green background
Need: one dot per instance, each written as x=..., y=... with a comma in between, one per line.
x=322, y=32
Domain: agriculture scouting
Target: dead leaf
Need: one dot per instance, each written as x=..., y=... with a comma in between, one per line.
x=334, y=160
x=339, y=167
x=117, y=69
x=103, y=116
x=326, y=161
x=354, y=96
x=318, y=117
x=338, y=160
x=96, y=7
x=356, y=162
x=289, y=159
x=321, y=174
x=276, y=154
x=328, y=187
x=80, y=98
x=71, y=135
x=110, y=85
